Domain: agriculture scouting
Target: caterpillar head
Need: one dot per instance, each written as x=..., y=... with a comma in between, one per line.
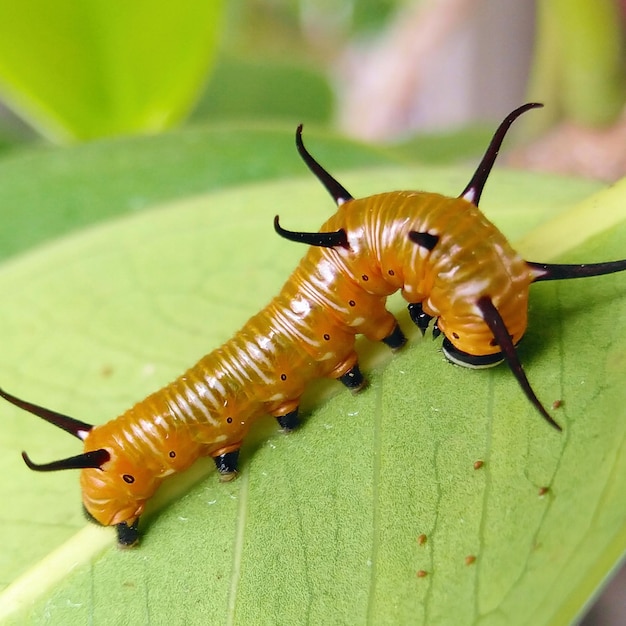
x=115, y=486
x=115, y=491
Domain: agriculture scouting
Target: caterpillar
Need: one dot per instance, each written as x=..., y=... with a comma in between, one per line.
x=454, y=268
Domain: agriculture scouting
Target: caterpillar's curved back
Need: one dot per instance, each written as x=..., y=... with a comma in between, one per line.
x=452, y=265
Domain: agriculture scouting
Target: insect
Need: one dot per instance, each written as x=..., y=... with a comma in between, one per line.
x=451, y=264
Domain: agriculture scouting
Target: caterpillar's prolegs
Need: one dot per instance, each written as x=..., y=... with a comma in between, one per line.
x=353, y=379
x=395, y=339
x=420, y=319
x=127, y=534
x=289, y=421
x=227, y=465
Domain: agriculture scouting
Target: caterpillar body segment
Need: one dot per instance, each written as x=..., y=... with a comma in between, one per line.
x=455, y=269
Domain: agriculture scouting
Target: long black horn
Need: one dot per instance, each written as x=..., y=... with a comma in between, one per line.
x=69, y=424
x=474, y=189
x=325, y=240
x=548, y=271
x=338, y=192
x=496, y=324
x=94, y=458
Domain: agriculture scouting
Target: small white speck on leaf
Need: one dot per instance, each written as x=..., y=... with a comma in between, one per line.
x=148, y=370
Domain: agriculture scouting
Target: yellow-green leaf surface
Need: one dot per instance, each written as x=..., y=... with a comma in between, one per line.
x=322, y=525
x=86, y=69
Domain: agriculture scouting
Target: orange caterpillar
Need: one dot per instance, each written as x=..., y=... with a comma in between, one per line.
x=451, y=264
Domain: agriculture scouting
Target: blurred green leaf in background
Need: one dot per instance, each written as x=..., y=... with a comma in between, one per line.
x=89, y=68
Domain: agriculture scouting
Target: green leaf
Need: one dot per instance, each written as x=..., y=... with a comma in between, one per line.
x=579, y=68
x=78, y=70
x=99, y=180
x=322, y=525
x=244, y=89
